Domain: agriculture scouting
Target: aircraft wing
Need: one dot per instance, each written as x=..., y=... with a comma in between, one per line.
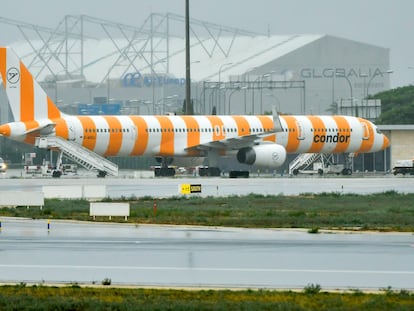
x=233, y=143
x=239, y=142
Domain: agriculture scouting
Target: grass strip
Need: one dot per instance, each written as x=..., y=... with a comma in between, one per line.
x=22, y=297
x=388, y=211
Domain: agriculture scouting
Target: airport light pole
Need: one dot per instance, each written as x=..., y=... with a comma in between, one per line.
x=350, y=88
x=238, y=88
x=187, y=58
x=375, y=75
x=219, y=83
x=276, y=99
x=221, y=67
x=381, y=73
x=266, y=75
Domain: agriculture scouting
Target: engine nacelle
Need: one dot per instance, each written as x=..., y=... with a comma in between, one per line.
x=266, y=155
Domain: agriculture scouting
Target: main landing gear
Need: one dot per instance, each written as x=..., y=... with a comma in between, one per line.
x=102, y=174
x=239, y=174
x=209, y=171
x=164, y=170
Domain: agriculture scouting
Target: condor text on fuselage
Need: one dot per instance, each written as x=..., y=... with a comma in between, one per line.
x=331, y=138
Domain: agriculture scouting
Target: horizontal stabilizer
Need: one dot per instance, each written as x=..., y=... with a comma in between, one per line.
x=41, y=130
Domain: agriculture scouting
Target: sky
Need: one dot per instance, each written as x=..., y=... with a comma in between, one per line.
x=383, y=23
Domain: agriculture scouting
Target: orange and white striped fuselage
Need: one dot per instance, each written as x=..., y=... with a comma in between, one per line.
x=176, y=135
x=257, y=140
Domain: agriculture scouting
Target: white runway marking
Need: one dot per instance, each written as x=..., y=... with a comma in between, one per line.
x=205, y=269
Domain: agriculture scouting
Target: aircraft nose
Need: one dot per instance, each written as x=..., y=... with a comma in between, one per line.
x=386, y=143
x=5, y=130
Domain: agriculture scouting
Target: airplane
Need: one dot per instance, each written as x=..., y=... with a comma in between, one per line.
x=261, y=140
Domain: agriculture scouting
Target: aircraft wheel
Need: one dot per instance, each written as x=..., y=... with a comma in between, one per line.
x=56, y=174
x=101, y=174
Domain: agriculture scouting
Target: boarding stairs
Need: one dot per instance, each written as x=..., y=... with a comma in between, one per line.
x=79, y=154
x=303, y=160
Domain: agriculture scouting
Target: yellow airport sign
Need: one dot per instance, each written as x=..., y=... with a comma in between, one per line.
x=190, y=188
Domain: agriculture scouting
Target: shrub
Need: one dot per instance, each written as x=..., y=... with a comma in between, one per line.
x=313, y=230
x=312, y=289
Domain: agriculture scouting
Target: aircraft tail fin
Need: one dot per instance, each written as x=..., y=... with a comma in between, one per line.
x=27, y=100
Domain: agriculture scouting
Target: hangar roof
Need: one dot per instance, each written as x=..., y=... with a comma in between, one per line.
x=234, y=56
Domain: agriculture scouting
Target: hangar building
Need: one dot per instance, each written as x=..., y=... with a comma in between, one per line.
x=142, y=69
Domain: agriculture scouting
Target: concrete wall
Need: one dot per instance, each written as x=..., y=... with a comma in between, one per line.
x=402, y=147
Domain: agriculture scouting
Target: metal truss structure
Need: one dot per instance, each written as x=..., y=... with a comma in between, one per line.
x=64, y=45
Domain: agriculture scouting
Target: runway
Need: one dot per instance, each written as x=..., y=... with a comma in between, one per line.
x=204, y=257
x=140, y=184
x=178, y=256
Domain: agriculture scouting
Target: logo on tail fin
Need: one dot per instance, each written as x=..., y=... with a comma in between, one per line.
x=13, y=75
x=27, y=100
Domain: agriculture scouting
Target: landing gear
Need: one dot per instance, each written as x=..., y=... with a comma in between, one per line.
x=164, y=170
x=56, y=174
x=239, y=174
x=209, y=171
x=102, y=174
x=349, y=157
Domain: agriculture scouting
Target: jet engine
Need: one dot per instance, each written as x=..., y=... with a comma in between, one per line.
x=266, y=155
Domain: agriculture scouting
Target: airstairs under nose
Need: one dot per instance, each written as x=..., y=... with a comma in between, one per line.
x=79, y=154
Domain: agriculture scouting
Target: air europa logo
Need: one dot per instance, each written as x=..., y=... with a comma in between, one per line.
x=136, y=79
x=331, y=138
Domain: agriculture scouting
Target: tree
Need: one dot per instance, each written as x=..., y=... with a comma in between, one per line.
x=397, y=105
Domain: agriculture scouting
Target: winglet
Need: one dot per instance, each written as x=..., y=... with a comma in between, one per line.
x=277, y=124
